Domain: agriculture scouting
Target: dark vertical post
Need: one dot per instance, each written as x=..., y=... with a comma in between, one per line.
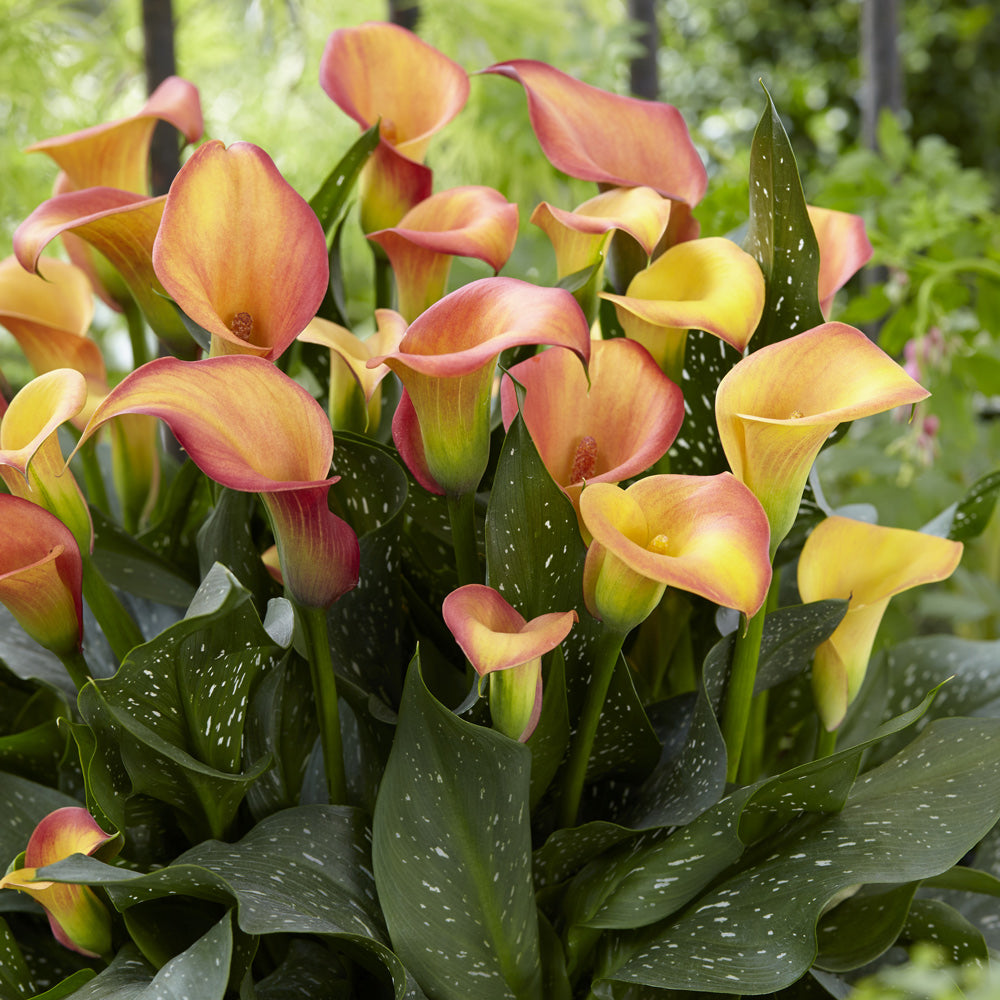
x=643, y=77
x=158, y=31
x=883, y=86
x=405, y=13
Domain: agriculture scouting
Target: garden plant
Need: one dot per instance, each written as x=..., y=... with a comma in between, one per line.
x=493, y=642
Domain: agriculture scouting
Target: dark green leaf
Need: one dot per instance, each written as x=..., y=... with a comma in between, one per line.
x=935, y=921
x=862, y=927
x=976, y=508
x=310, y=969
x=15, y=979
x=328, y=202
x=26, y=804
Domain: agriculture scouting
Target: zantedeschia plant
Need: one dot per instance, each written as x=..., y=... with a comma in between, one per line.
x=559, y=675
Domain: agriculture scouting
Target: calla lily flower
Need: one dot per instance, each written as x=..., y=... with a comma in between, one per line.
x=41, y=575
x=595, y=434
x=844, y=248
x=598, y=136
x=116, y=154
x=708, y=284
x=31, y=461
x=704, y=534
x=240, y=251
x=251, y=428
x=776, y=407
x=461, y=222
x=501, y=645
x=446, y=363
x=383, y=73
x=78, y=919
x=355, y=389
x=866, y=564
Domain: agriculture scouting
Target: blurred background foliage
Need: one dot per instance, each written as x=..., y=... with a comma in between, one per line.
x=929, y=194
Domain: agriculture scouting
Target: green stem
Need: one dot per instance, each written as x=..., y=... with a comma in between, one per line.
x=826, y=742
x=383, y=280
x=461, y=514
x=77, y=668
x=606, y=652
x=93, y=478
x=116, y=623
x=739, y=695
x=325, y=688
x=137, y=334
x=752, y=761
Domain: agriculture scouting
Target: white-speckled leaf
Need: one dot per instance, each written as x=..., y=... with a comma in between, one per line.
x=911, y=818
x=25, y=804
x=199, y=973
x=310, y=969
x=452, y=854
x=126, y=978
x=15, y=979
x=934, y=921
x=969, y=517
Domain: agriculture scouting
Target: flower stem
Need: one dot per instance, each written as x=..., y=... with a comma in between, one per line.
x=826, y=742
x=77, y=668
x=137, y=334
x=93, y=479
x=739, y=696
x=324, y=682
x=383, y=280
x=461, y=514
x=608, y=648
x=116, y=623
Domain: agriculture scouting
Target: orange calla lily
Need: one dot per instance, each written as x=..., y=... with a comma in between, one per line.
x=501, y=645
x=461, y=222
x=251, y=428
x=446, y=363
x=844, y=248
x=116, y=154
x=707, y=284
x=78, y=919
x=41, y=575
x=866, y=564
x=704, y=534
x=383, y=73
x=240, y=251
x=598, y=136
x=355, y=389
x=31, y=461
x=776, y=407
x=596, y=433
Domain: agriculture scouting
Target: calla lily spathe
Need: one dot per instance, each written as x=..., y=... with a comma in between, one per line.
x=844, y=248
x=704, y=534
x=866, y=564
x=501, y=645
x=240, y=251
x=383, y=73
x=460, y=222
x=446, y=363
x=78, y=919
x=776, y=407
x=249, y=427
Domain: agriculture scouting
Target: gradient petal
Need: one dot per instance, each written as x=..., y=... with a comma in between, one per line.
x=598, y=136
x=240, y=251
x=844, y=248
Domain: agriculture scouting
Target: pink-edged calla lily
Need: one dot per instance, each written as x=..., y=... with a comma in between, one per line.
x=776, y=407
x=249, y=427
x=240, y=251
x=355, y=389
x=41, y=575
x=844, y=248
x=501, y=645
x=460, y=222
x=380, y=72
x=617, y=141
x=596, y=433
x=77, y=917
x=866, y=564
x=707, y=535
x=116, y=154
x=708, y=284
x=31, y=461
x=446, y=363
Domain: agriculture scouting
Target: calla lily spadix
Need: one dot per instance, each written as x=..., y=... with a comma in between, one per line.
x=383, y=73
x=240, y=251
x=355, y=389
x=707, y=535
x=844, y=248
x=249, y=427
x=446, y=363
x=776, y=407
x=41, y=575
x=460, y=222
x=617, y=141
x=31, y=461
x=866, y=564
x=501, y=645
x=707, y=284
x=595, y=434
x=77, y=917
